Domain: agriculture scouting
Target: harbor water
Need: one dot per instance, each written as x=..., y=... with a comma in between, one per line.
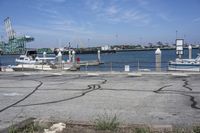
x=116, y=61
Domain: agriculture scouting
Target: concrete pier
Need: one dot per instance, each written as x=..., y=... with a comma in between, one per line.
x=141, y=98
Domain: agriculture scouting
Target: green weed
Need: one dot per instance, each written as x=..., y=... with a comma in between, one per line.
x=106, y=122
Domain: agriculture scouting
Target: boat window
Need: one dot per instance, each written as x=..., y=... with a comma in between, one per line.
x=31, y=52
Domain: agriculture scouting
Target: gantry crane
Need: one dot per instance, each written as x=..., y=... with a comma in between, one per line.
x=15, y=45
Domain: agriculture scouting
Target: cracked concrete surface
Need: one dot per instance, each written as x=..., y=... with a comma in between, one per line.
x=149, y=99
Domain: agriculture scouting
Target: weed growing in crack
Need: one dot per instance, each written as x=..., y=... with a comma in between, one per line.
x=141, y=130
x=106, y=122
x=196, y=129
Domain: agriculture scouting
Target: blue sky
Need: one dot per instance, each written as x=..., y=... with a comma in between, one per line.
x=54, y=23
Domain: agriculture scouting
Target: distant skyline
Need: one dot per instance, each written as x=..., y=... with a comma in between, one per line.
x=55, y=23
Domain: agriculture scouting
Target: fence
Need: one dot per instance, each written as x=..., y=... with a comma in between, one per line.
x=105, y=66
x=131, y=66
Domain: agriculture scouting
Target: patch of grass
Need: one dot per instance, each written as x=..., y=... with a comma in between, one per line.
x=31, y=128
x=106, y=122
x=141, y=130
x=196, y=129
x=182, y=130
x=12, y=129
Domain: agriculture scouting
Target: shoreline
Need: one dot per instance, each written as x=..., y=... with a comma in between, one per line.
x=111, y=51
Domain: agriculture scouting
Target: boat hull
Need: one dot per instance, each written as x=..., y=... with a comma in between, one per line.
x=184, y=67
x=31, y=67
x=89, y=63
x=45, y=67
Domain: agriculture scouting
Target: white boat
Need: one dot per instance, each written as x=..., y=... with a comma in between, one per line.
x=32, y=67
x=31, y=62
x=30, y=57
x=185, y=64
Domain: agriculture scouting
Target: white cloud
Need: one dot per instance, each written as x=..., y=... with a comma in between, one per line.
x=44, y=8
x=117, y=15
x=94, y=5
x=112, y=10
x=134, y=15
x=45, y=37
x=196, y=19
x=142, y=2
x=67, y=25
x=164, y=17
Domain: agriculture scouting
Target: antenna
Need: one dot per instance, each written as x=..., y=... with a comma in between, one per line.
x=9, y=30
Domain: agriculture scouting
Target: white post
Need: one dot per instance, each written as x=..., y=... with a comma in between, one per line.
x=99, y=55
x=158, y=59
x=73, y=56
x=70, y=56
x=59, y=59
x=190, y=51
x=138, y=65
x=44, y=56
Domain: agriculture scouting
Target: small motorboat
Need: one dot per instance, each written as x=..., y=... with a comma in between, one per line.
x=185, y=64
x=31, y=62
x=30, y=57
x=32, y=67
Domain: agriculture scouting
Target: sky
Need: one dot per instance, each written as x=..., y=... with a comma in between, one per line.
x=87, y=23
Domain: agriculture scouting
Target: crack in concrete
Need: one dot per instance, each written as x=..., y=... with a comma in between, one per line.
x=161, y=88
x=194, y=103
x=36, y=88
x=91, y=87
x=12, y=105
x=192, y=98
x=109, y=89
x=186, y=84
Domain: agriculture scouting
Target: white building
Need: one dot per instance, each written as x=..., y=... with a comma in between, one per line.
x=106, y=47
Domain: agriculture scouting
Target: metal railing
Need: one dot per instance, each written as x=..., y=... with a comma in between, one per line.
x=119, y=66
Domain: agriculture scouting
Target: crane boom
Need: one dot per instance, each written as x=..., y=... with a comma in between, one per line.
x=9, y=30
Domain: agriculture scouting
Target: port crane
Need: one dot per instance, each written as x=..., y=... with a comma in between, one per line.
x=15, y=45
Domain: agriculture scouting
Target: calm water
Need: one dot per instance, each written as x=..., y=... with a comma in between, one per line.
x=116, y=61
